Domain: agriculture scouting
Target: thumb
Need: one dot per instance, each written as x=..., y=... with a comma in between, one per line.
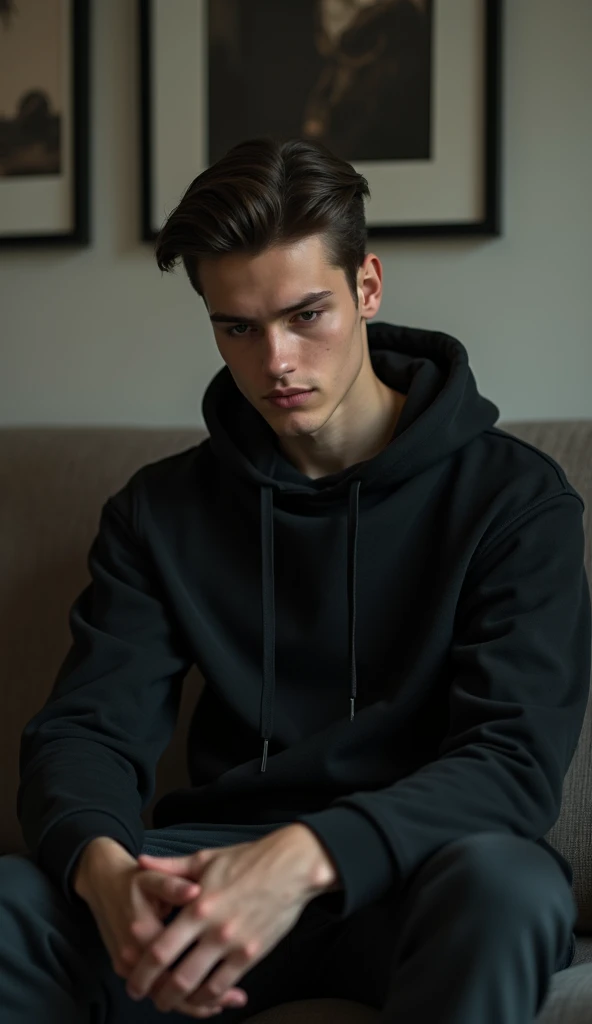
x=187, y=867
x=169, y=889
x=169, y=892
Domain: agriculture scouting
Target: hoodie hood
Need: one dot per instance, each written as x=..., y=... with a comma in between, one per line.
x=443, y=412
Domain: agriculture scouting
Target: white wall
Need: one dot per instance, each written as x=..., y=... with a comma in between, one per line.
x=99, y=336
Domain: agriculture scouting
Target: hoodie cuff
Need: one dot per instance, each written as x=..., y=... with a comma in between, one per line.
x=64, y=842
x=365, y=864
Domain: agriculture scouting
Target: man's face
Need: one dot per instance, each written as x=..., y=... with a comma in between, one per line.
x=318, y=347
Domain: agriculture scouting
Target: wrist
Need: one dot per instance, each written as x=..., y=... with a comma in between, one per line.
x=100, y=857
x=323, y=875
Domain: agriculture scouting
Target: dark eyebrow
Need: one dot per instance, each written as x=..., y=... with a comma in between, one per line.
x=227, y=318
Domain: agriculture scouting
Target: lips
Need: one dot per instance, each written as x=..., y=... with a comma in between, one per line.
x=289, y=393
x=287, y=401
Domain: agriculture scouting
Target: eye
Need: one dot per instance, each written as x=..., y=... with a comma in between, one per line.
x=316, y=312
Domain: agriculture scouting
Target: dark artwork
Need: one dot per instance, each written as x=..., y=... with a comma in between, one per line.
x=7, y=11
x=30, y=140
x=353, y=74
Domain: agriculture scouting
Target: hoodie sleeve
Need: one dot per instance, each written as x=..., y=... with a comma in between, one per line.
x=520, y=677
x=88, y=757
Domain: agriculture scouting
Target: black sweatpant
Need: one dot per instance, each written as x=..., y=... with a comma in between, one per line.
x=474, y=936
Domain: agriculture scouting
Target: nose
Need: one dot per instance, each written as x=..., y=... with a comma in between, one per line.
x=278, y=353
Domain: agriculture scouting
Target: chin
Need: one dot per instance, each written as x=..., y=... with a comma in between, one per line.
x=295, y=429
x=296, y=422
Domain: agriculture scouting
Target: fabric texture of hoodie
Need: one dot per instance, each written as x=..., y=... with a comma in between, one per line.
x=396, y=655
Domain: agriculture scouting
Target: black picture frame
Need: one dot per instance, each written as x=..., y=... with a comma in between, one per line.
x=487, y=224
x=80, y=232
x=146, y=35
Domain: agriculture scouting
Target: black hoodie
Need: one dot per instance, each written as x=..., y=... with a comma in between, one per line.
x=396, y=655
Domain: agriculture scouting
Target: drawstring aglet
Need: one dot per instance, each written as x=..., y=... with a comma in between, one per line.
x=264, y=758
x=351, y=709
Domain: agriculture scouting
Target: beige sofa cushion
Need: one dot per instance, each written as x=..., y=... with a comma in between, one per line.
x=53, y=482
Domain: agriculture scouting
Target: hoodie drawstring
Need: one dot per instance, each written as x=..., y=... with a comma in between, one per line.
x=268, y=600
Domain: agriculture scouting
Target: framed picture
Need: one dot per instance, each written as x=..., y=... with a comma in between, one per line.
x=408, y=91
x=44, y=122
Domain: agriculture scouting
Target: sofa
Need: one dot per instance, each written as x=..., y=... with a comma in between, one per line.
x=53, y=482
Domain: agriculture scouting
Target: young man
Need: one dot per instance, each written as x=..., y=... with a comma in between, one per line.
x=387, y=599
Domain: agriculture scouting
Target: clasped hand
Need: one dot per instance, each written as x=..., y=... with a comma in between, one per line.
x=248, y=897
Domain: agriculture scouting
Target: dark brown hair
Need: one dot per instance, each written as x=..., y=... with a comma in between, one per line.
x=266, y=192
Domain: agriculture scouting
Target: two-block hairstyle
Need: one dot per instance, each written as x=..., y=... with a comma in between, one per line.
x=265, y=192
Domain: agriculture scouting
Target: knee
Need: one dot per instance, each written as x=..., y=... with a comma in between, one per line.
x=23, y=881
x=505, y=873
x=28, y=894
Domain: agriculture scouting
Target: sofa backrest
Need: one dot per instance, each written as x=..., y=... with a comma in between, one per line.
x=570, y=444
x=53, y=483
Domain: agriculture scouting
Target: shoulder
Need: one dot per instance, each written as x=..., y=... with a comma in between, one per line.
x=521, y=461
x=165, y=484
x=513, y=481
x=173, y=470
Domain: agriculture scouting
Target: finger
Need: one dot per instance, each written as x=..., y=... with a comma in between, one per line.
x=119, y=948
x=231, y=1000
x=168, y=946
x=144, y=924
x=235, y=997
x=189, y=975
x=145, y=931
x=172, y=865
x=123, y=960
x=199, y=1012
x=220, y=986
x=169, y=889
x=160, y=893
x=129, y=956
